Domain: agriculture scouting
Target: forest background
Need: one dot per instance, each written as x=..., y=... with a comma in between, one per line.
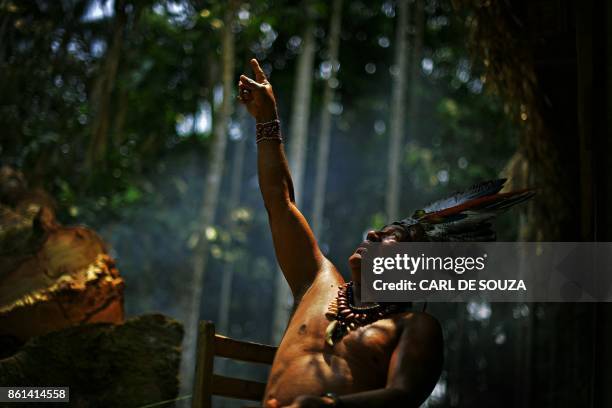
x=125, y=111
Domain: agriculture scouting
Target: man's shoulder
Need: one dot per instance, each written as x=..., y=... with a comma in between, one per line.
x=327, y=280
x=327, y=272
x=419, y=323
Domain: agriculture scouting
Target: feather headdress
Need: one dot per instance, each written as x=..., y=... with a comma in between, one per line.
x=465, y=215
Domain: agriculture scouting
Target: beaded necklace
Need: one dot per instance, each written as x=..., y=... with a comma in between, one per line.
x=345, y=316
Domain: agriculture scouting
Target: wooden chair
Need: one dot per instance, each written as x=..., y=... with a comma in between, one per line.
x=207, y=383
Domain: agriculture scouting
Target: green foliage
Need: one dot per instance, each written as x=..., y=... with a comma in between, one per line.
x=145, y=191
x=51, y=66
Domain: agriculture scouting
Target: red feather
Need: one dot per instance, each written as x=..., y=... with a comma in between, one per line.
x=475, y=204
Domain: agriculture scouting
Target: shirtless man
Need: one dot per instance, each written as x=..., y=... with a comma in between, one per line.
x=393, y=360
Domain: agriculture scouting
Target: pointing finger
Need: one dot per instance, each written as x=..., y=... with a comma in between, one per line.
x=259, y=74
x=249, y=83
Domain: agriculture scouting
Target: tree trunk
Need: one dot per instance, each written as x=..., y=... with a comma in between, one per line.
x=415, y=69
x=300, y=113
x=232, y=204
x=398, y=107
x=298, y=132
x=103, y=89
x=549, y=81
x=3, y=26
x=324, y=137
x=120, y=117
x=211, y=195
x=227, y=276
x=602, y=145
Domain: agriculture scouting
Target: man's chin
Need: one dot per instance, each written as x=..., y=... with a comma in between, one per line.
x=354, y=262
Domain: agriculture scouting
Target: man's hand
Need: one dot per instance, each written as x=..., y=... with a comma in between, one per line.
x=257, y=95
x=311, y=401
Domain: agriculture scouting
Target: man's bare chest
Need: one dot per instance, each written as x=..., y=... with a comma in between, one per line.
x=308, y=326
x=359, y=362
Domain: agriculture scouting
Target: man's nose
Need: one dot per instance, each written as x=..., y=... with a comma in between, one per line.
x=373, y=236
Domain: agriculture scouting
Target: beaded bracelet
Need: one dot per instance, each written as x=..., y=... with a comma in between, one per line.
x=268, y=131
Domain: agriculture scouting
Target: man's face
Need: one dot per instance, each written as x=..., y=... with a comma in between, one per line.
x=388, y=235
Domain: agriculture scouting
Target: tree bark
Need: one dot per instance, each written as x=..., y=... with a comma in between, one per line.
x=298, y=133
x=211, y=195
x=232, y=204
x=103, y=89
x=398, y=107
x=227, y=276
x=602, y=117
x=548, y=83
x=326, y=119
x=415, y=69
x=300, y=113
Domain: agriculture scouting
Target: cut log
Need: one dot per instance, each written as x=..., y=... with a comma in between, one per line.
x=35, y=303
x=51, y=276
x=105, y=365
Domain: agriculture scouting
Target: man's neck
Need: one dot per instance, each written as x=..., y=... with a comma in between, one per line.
x=357, y=295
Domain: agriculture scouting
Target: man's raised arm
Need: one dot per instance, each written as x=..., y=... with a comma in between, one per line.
x=296, y=248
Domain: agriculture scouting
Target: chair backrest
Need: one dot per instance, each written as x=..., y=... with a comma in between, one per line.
x=207, y=383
